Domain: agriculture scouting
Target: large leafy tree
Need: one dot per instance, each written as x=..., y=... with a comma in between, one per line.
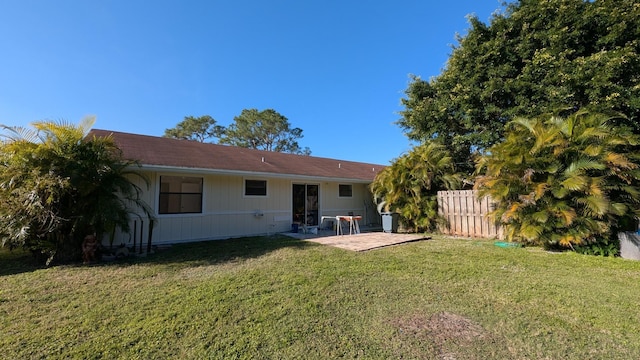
x=264, y=130
x=57, y=186
x=201, y=128
x=563, y=181
x=536, y=57
x=410, y=184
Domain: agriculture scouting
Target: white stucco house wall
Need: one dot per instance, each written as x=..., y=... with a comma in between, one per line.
x=200, y=191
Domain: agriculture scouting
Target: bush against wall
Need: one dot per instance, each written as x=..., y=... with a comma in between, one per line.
x=57, y=186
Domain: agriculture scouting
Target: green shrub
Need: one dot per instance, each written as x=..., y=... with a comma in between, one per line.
x=57, y=186
x=410, y=185
x=563, y=182
x=601, y=247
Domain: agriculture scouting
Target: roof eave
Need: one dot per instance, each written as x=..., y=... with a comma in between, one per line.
x=164, y=168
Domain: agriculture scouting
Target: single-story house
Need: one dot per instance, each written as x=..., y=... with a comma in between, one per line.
x=202, y=191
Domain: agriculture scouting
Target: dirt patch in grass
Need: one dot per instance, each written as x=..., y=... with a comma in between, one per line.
x=445, y=330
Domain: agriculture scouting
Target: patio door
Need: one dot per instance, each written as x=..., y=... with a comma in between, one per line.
x=305, y=204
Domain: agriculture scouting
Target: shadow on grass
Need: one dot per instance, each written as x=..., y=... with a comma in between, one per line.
x=17, y=261
x=187, y=254
x=218, y=251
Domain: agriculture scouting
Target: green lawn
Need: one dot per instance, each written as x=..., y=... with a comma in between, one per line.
x=280, y=298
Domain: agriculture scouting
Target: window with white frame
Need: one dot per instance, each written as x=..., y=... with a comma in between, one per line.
x=180, y=195
x=255, y=187
x=345, y=190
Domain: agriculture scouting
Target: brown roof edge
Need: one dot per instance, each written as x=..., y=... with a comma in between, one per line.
x=180, y=154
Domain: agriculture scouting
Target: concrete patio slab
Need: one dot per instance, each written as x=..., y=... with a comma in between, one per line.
x=363, y=241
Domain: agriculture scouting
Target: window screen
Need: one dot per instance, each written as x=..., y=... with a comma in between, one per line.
x=255, y=188
x=180, y=195
x=345, y=190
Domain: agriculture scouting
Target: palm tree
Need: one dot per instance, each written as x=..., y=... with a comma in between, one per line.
x=57, y=186
x=410, y=185
x=562, y=182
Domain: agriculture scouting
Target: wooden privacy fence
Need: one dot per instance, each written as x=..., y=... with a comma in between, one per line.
x=466, y=215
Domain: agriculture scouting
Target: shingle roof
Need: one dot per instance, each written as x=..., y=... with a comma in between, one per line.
x=169, y=153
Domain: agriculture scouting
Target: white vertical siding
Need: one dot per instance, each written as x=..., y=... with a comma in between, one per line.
x=336, y=205
x=227, y=213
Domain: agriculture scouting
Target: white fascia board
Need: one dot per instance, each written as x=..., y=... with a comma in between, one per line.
x=189, y=170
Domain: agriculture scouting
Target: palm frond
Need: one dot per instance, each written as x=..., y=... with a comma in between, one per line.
x=594, y=206
x=575, y=182
x=579, y=166
x=19, y=133
x=619, y=161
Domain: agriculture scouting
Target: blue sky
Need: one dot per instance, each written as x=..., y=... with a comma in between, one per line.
x=336, y=69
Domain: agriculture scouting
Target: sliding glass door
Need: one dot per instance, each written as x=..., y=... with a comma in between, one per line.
x=305, y=204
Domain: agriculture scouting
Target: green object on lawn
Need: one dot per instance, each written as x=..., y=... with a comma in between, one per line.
x=506, y=244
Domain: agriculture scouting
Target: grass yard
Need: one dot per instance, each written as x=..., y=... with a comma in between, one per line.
x=280, y=298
